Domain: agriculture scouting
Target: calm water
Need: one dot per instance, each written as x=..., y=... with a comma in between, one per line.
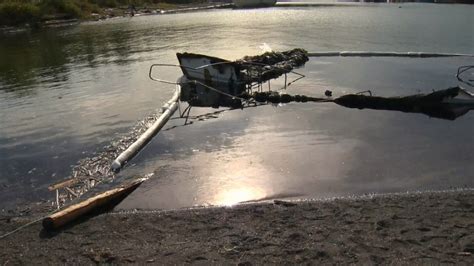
x=65, y=93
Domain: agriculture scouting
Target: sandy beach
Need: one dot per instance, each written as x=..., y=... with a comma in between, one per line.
x=416, y=228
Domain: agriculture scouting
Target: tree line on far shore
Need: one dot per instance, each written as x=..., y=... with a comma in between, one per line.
x=34, y=12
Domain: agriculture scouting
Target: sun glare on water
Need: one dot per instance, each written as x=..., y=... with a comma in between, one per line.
x=230, y=197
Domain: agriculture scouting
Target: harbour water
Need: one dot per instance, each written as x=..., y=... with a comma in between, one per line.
x=65, y=93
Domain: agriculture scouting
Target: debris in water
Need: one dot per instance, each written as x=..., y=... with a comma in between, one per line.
x=92, y=171
x=271, y=65
x=445, y=104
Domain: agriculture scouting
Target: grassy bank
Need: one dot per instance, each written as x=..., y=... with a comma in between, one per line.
x=35, y=12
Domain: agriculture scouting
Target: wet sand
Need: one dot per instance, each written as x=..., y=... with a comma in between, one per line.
x=419, y=228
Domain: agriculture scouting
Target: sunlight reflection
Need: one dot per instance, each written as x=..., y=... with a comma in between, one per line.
x=229, y=197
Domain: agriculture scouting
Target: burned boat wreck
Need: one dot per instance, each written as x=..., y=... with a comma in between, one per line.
x=214, y=82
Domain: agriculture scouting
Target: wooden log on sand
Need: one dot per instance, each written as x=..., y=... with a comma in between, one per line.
x=78, y=210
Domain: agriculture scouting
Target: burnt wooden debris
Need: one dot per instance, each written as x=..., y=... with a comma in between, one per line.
x=433, y=105
x=438, y=104
x=271, y=65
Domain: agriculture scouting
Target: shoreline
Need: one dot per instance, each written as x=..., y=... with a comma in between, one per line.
x=122, y=12
x=425, y=227
x=119, y=12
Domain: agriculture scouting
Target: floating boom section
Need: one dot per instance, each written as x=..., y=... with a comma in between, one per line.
x=385, y=54
x=167, y=111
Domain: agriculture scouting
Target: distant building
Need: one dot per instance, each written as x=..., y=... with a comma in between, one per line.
x=411, y=1
x=454, y=1
x=434, y=1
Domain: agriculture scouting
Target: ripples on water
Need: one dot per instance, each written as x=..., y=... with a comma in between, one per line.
x=65, y=93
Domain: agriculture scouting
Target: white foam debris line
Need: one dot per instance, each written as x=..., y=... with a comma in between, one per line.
x=167, y=111
x=385, y=54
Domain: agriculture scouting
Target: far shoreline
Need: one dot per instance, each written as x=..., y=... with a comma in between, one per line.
x=123, y=12
x=114, y=13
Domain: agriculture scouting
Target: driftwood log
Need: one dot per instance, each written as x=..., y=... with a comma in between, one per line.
x=105, y=199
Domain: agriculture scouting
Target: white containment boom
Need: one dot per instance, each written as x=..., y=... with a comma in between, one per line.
x=167, y=111
x=384, y=54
